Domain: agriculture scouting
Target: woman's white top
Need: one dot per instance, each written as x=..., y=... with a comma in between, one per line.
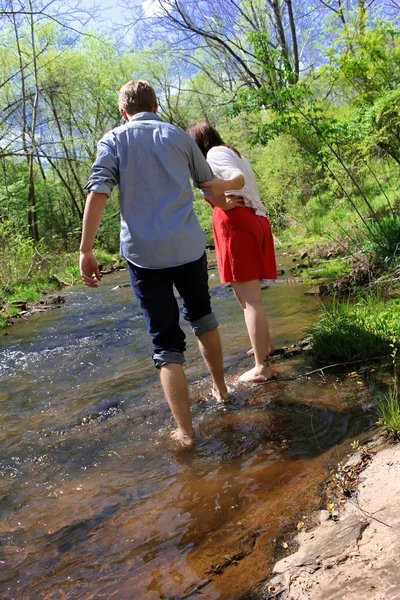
x=226, y=163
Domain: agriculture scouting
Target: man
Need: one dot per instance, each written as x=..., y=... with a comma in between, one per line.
x=161, y=239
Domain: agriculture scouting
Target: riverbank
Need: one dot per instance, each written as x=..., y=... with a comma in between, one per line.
x=40, y=286
x=258, y=467
x=353, y=552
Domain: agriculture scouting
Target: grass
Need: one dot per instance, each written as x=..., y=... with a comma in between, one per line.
x=328, y=270
x=46, y=272
x=361, y=330
x=293, y=236
x=388, y=409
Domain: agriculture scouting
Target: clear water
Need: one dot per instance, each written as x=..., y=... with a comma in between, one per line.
x=95, y=500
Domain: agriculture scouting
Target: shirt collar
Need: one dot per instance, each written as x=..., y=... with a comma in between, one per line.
x=146, y=116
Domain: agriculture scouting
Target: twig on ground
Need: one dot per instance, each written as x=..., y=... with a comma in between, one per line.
x=321, y=369
x=369, y=515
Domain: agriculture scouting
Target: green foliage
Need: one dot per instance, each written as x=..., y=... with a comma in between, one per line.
x=17, y=255
x=388, y=410
x=355, y=331
x=28, y=270
x=384, y=246
x=204, y=214
x=341, y=136
x=329, y=271
x=388, y=407
x=381, y=123
x=77, y=104
x=367, y=64
x=108, y=235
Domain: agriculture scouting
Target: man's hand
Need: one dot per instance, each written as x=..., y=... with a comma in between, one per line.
x=215, y=187
x=233, y=202
x=89, y=266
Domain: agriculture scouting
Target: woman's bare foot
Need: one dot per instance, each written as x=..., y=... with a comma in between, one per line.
x=184, y=440
x=271, y=350
x=257, y=375
x=222, y=396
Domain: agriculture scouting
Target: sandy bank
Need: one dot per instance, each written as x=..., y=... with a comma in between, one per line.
x=357, y=555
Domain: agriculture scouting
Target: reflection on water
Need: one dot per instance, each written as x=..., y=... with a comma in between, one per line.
x=97, y=503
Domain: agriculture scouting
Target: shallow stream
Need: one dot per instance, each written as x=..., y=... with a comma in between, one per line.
x=96, y=502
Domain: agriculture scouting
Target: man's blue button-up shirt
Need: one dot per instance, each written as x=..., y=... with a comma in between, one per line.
x=152, y=163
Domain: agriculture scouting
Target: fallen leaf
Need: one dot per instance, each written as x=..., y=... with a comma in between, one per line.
x=330, y=506
x=284, y=545
x=274, y=589
x=300, y=525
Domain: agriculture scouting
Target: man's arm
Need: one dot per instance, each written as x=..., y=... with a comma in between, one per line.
x=228, y=176
x=88, y=264
x=226, y=202
x=219, y=185
x=199, y=168
x=103, y=177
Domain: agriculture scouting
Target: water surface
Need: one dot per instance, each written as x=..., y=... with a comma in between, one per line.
x=96, y=502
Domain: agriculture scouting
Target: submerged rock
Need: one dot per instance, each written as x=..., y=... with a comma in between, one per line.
x=319, y=290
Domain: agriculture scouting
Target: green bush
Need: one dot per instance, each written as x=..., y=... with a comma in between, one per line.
x=17, y=256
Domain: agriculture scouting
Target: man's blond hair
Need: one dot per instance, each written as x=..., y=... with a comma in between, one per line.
x=137, y=96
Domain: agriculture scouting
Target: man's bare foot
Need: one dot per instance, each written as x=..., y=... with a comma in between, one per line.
x=257, y=375
x=222, y=397
x=184, y=440
x=271, y=350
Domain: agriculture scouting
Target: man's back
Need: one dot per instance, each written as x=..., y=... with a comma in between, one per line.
x=153, y=162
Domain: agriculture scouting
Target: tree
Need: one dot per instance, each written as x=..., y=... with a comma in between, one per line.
x=20, y=87
x=50, y=122
x=222, y=28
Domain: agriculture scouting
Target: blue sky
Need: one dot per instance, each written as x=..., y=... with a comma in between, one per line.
x=108, y=13
x=115, y=12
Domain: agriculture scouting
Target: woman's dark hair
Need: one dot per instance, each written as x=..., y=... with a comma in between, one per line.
x=206, y=137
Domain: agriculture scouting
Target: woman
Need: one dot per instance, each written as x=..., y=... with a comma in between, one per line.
x=243, y=240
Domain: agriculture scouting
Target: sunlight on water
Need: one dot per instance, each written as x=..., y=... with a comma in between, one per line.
x=98, y=503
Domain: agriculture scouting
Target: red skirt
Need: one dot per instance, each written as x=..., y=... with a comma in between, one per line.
x=244, y=245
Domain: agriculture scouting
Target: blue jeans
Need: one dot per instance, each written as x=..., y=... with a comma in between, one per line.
x=154, y=290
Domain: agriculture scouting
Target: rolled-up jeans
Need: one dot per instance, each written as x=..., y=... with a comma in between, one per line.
x=154, y=289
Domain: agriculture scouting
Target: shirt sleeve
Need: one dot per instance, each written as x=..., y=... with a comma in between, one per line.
x=104, y=173
x=222, y=161
x=200, y=170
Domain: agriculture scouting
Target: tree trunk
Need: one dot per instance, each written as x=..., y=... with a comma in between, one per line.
x=31, y=200
x=295, y=47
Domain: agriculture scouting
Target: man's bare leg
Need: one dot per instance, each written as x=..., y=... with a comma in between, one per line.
x=211, y=349
x=174, y=384
x=248, y=294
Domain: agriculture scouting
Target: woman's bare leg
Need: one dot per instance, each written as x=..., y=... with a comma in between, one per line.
x=249, y=296
x=243, y=305
x=271, y=350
